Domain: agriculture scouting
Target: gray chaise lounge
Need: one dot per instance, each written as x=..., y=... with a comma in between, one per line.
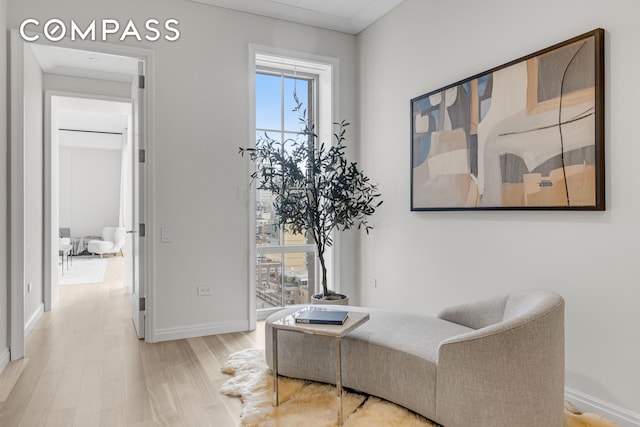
x=496, y=363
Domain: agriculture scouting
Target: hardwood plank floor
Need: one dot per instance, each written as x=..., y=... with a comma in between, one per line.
x=86, y=367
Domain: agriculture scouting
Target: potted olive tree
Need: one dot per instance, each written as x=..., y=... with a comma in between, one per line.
x=316, y=190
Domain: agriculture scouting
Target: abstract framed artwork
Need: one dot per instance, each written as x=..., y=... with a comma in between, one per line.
x=526, y=135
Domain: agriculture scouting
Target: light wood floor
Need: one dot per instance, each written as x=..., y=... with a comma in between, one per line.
x=86, y=367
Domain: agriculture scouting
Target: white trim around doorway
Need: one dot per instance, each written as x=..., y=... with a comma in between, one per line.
x=17, y=190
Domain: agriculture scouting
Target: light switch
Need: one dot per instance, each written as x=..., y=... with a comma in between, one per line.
x=165, y=237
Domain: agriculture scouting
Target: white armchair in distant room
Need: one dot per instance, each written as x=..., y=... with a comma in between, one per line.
x=112, y=242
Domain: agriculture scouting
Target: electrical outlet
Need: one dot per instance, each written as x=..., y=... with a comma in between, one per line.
x=373, y=283
x=204, y=291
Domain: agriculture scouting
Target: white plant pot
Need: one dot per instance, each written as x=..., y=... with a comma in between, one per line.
x=338, y=299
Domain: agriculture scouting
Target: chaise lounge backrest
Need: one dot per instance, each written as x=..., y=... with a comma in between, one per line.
x=509, y=371
x=476, y=315
x=481, y=314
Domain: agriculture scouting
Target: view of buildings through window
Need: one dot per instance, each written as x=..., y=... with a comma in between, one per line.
x=285, y=263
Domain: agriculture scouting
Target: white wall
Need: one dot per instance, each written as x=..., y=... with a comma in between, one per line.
x=33, y=172
x=89, y=187
x=4, y=145
x=424, y=261
x=200, y=114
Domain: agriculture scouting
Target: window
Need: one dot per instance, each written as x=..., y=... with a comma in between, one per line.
x=276, y=248
x=290, y=259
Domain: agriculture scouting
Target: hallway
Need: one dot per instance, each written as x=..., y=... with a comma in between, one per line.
x=86, y=367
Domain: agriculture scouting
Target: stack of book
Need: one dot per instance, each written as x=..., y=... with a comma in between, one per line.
x=321, y=317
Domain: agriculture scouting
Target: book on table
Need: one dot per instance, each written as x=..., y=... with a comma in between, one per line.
x=321, y=317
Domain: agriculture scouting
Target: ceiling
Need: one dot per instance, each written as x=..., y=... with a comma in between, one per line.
x=87, y=114
x=79, y=63
x=349, y=16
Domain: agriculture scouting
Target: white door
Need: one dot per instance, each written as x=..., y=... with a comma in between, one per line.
x=138, y=175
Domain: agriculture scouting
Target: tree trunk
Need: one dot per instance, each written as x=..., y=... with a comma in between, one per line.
x=323, y=267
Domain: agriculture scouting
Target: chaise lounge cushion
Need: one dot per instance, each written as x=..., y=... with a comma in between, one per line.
x=395, y=358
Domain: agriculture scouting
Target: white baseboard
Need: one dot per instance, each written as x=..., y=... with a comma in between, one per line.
x=5, y=356
x=201, y=330
x=585, y=403
x=33, y=320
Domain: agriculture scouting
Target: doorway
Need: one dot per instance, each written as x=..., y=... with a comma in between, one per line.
x=97, y=68
x=91, y=174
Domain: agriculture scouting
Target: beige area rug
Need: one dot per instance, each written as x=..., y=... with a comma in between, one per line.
x=309, y=404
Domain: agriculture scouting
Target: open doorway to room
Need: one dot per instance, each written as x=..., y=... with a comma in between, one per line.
x=58, y=92
x=91, y=193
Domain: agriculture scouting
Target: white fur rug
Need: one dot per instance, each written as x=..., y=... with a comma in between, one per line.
x=309, y=404
x=303, y=403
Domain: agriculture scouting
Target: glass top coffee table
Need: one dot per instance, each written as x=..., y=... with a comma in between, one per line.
x=288, y=323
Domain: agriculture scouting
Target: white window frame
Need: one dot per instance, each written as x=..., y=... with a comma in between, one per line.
x=327, y=71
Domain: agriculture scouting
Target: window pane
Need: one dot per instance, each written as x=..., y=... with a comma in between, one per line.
x=267, y=227
x=298, y=279
x=293, y=141
x=293, y=138
x=296, y=274
x=296, y=140
x=292, y=118
x=269, y=281
x=268, y=102
x=296, y=239
x=267, y=224
x=281, y=278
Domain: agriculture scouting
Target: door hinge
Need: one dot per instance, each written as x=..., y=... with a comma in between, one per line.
x=142, y=231
x=141, y=304
x=141, y=82
x=142, y=155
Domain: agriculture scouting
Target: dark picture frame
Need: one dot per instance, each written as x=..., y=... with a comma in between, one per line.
x=525, y=135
